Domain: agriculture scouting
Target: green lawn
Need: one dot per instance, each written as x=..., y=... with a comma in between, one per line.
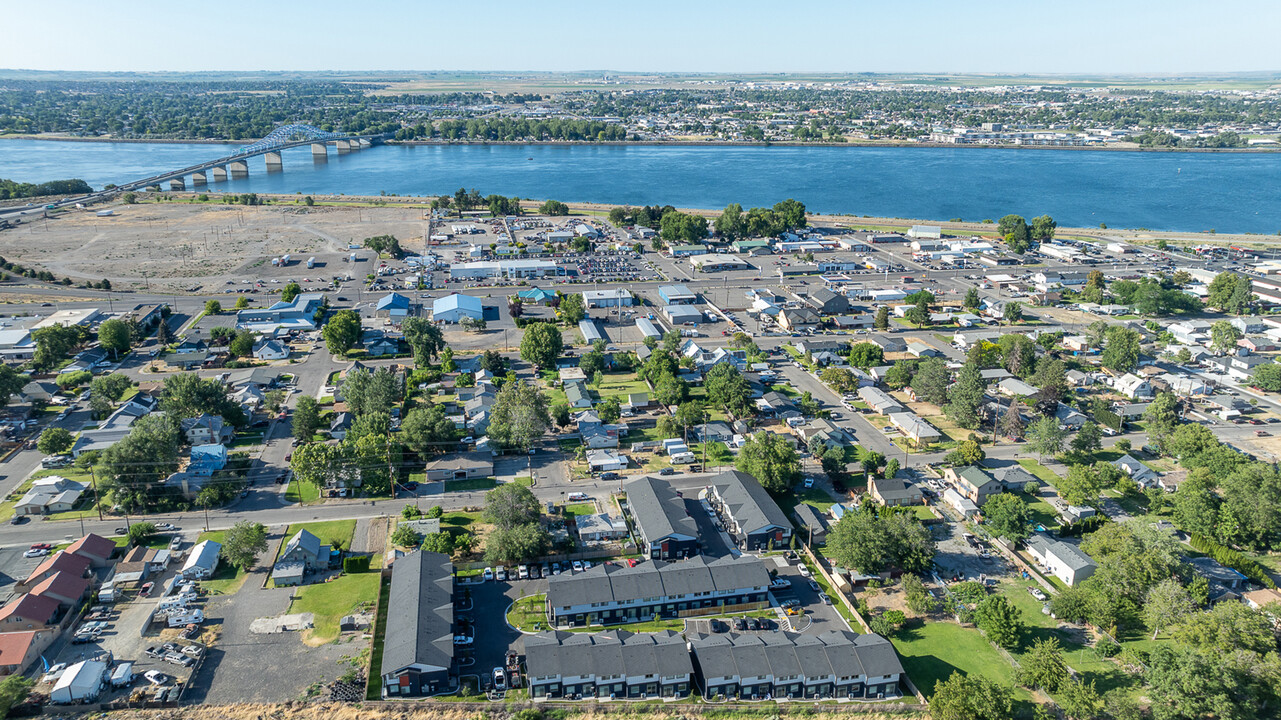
x=330, y=601
x=809, y=496
x=621, y=385
x=580, y=509
x=470, y=485
x=331, y=532
x=1040, y=471
x=1039, y=511
x=934, y=650
x=227, y=578
x=529, y=613
x=301, y=492
x=373, y=691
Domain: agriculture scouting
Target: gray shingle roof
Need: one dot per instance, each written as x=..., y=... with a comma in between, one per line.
x=420, y=618
x=610, y=583
x=658, y=512
x=748, y=503
x=616, y=652
x=309, y=543
x=836, y=652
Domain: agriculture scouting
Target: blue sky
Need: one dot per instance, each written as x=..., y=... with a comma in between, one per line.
x=1004, y=36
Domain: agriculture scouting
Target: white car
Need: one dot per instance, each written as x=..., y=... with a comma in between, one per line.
x=500, y=679
x=156, y=678
x=578, y=566
x=805, y=571
x=488, y=574
x=35, y=553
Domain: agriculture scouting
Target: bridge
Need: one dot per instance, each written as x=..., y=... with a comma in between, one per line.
x=270, y=147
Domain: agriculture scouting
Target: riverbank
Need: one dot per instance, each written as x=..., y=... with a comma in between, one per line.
x=1117, y=147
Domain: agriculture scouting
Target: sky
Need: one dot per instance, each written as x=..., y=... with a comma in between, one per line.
x=993, y=36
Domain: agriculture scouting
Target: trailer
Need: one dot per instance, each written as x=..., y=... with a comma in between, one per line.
x=123, y=675
x=191, y=617
x=311, y=263
x=284, y=260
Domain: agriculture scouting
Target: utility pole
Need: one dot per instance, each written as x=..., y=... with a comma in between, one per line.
x=97, y=499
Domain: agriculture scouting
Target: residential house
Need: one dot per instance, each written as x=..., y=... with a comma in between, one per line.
x=973, y=482
x=798, y=319
x=601, y=527
x=827, y=302
x=67, y=588
x=834, y=664
x=97, y=549
x=207, y=459
x=418, y=644
x=205, y=429
x=895, y=491
x=749, y=514
x=605, y=459
x=19, y=650
x=1064, y=561
x=68, y=564
x=339, y=426
x=271, y=349
x=305, y=549
x=664, y=528
x=879, y=401
x=813, y=524
x=460, y=466
x=1009, y=473
x=1069, y=417
x=202, y=561
x=1013, y=387
x=378, y=344
x=610, y=594
x=577, y=395
x=960, y=503
x=1238, y=367
x=1133, y=387
x=614, y=664
x=38, y=391
x=28, y=612
x=914, y=428
x=920, y=349
x=1248, y=325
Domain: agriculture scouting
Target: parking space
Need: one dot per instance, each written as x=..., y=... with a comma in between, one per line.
x=962, y=556
x=483, y=609
x=809, y=596
x=715, y=543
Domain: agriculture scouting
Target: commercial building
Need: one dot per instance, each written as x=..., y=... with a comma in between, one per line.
x=505, y=268
x=716, y=263
x=677, y=295
x=613, y=297
x=749, y=514
x=647, y=328
x=835, y=664
x=931, y=232
x=612, y=664
x=664, y=530
x=71, y=318
x=682, y=314
x=395, y=306
x=453, y=308
x=609, y=594
x=298, y=314
x=418, y=645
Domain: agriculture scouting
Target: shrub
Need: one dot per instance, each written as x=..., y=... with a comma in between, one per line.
x=1233, y=559
x=358, y=564
x=1106, y=648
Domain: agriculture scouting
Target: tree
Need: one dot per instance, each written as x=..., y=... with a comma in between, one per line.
x=1230, y=292
x=1042, y=666
x=865, y=355
x=290, y=291
x=514, y=544
x=1006, y=515
x=554, y=208
x=54, y=343
x=971, y=697
x=1018, y=353
x=678, y=228
x=918, y=599
x=971, y=301
x=13, y=690
x=243, y=543
x=932, y=380
x=11, y=382
x=771, y=460
x=242, y=345
x=1088, y=439
x=187, y=395
x=1079, y=700
x=1000, y=620
x=1012, y=312
x=1012, y=421
x=1045, y=437
x=405, y=536
x=1268, y=377
x=843, y=381
x=140, y=533
x=306, y=418
x=609, y=409
x=882, y=320
x=1043, y=227
x=213, y=307
x=968, y=452
x=1050, y=379
x=342, y=332
x=114, y=335
x=1082, y=484
x=1224, y=629
x=728, y=389
x=1121, y=349
x=965, y=397
x=439, y=542
x=1165, y=605
x=1015, y=232
x=1162, y=417
x=367, y=392
x=425, y=339
x=426, y=429
x=518, y=416
x=55, y=441
x=730, y=224
x=541, y=345
x=871, y=541
x=1224, y=335
x=164, y=334
x=472, y=324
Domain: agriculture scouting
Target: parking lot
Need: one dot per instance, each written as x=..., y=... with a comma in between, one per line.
x=964, y=557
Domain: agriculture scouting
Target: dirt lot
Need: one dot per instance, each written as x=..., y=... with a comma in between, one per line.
x=180, y=246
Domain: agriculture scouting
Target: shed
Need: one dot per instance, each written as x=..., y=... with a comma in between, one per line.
x=79, y=683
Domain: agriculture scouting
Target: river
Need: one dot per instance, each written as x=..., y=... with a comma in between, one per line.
x=1228, y=192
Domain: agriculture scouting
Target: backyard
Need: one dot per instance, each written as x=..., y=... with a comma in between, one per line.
x=228, y=578
x=330, y=601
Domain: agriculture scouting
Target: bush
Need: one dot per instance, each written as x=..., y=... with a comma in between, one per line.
x=1233, y=559
x=358, y=564
x=1106, y=648
x=73, y=379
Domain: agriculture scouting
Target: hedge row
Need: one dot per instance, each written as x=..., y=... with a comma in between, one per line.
x=1231, y=558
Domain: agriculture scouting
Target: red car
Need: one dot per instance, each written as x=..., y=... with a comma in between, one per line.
x=42, y=546
x=146, y=589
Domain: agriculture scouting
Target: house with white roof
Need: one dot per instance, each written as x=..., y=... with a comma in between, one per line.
x=453, y=308
x=1133, y=386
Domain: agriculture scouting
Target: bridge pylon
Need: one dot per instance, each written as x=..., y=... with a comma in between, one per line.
x=238, y=168
x=219, y=173
x=200, y=178
x=319, y=149
x=274, y=162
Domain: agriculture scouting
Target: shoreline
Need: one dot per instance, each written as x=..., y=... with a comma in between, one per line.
x=679, y=143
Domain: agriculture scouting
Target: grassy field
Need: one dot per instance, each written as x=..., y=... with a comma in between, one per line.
x=1040, y=512
x=580, y=509
x=934, y=650
x=301, y=492
x=330, y=601
x=1041, y=472
x=620, y=385
x=470, y=485
x=227, y=579
x=529, y=613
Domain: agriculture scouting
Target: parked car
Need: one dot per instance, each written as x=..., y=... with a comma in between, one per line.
x=488, y=574
x=145, y=590
x=1036, y=593
x=577, y=496
x=156, y=678
x=500, y=679
x=34, y=553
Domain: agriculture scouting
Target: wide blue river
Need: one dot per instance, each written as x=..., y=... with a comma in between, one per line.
x=1227, y=192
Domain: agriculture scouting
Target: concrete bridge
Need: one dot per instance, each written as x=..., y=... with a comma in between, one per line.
x=270, y=147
